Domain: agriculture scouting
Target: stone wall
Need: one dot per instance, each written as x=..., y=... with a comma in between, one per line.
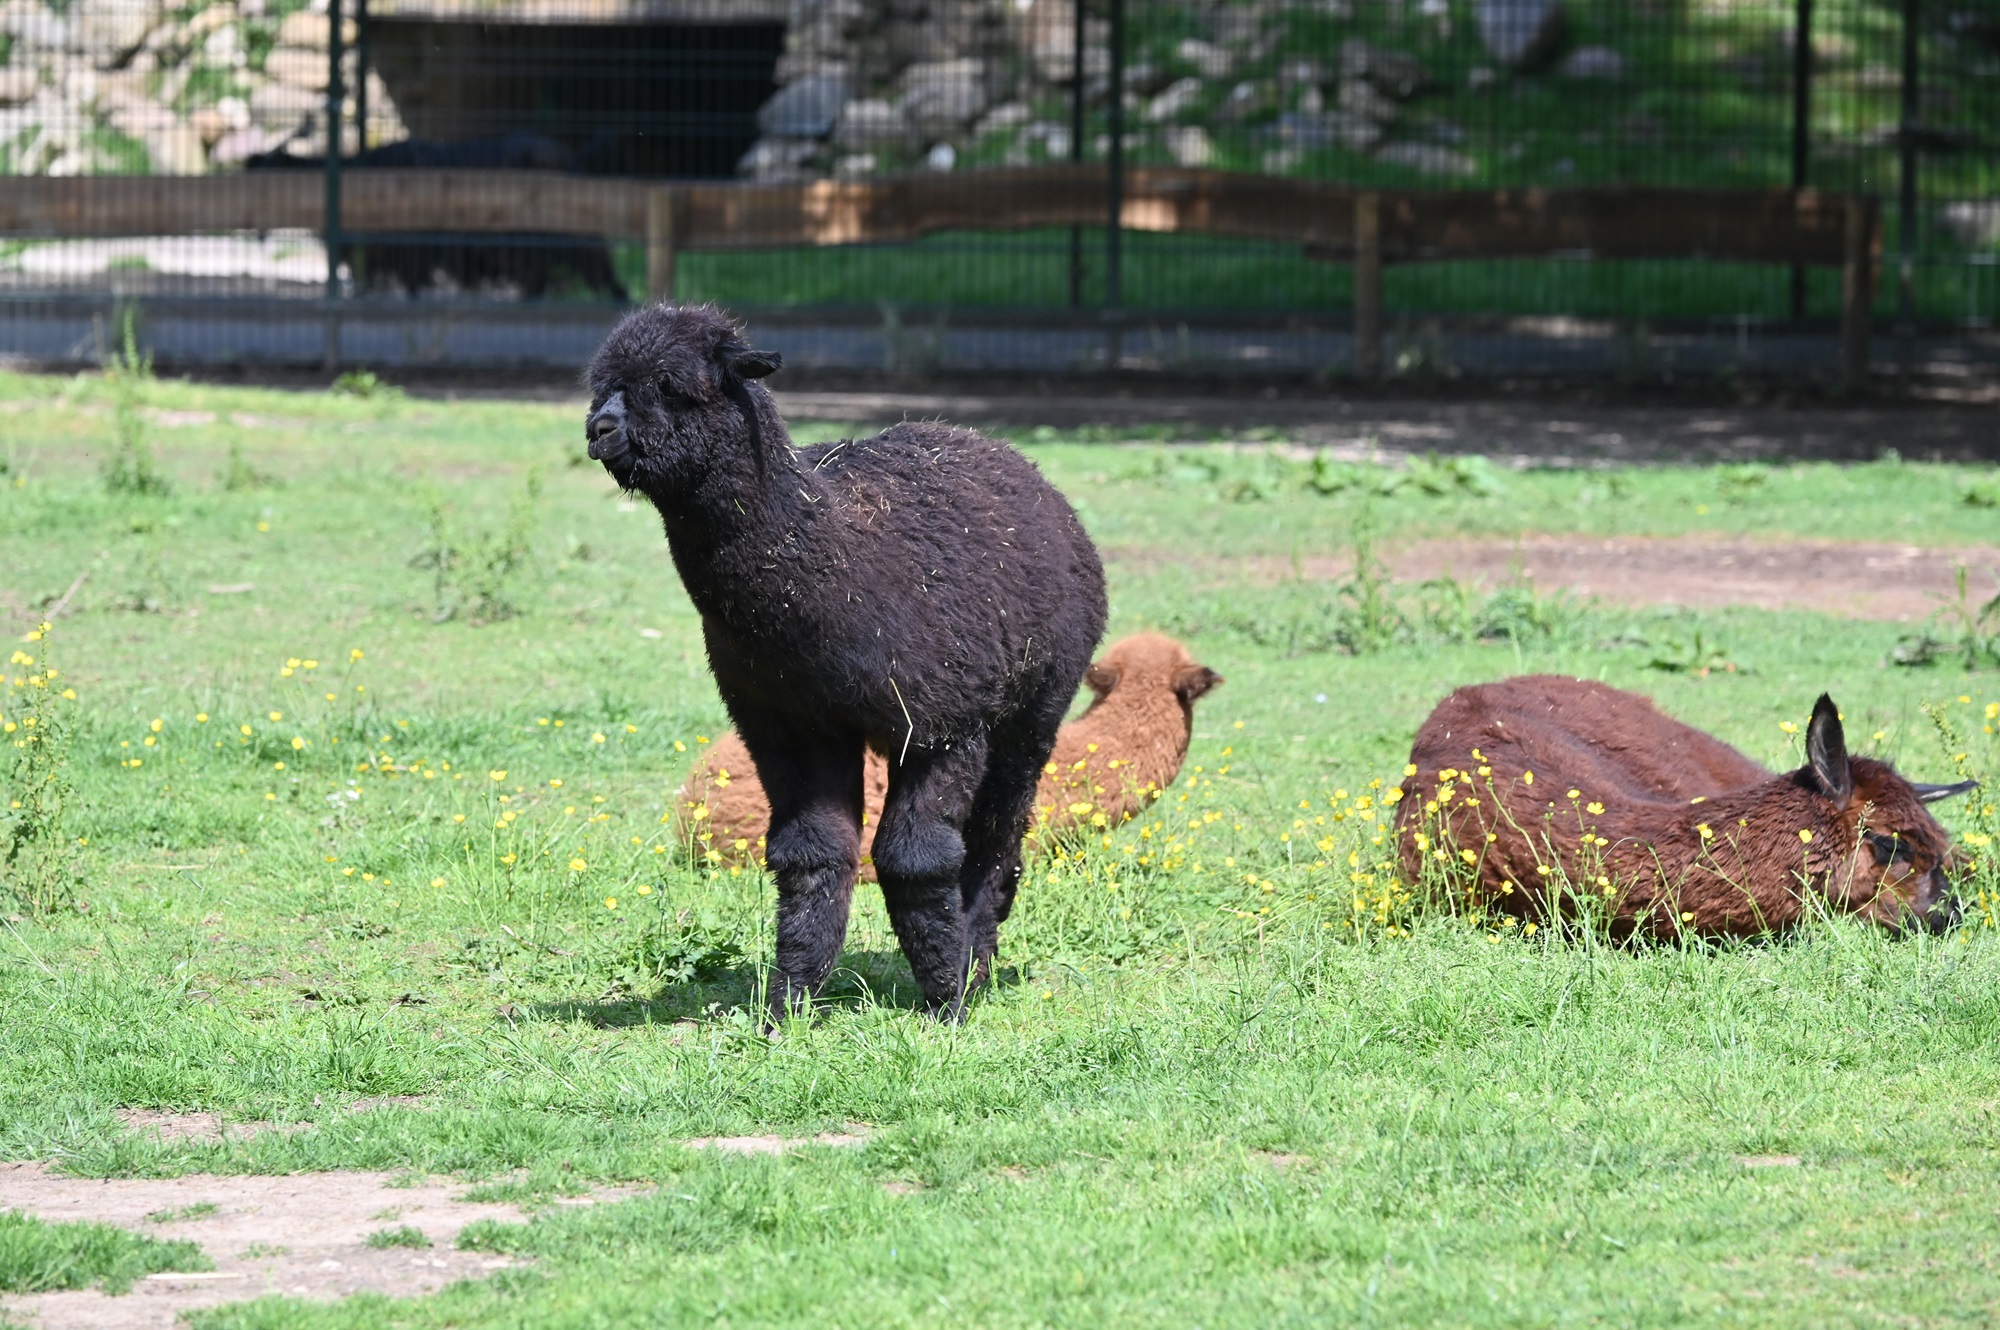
x=122, y=85
x=870, y=85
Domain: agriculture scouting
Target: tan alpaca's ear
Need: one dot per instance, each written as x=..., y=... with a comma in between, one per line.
x=1101, y=678
x=1193, y=681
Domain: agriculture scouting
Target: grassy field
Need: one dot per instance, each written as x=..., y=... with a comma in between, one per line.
x=381, y=708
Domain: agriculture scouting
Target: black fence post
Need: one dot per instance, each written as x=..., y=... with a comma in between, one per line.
x=1078, y=72
x=1906, y=204
x=335, y=94
x=361, y=75
x=1114, y=175
x=1801, y=129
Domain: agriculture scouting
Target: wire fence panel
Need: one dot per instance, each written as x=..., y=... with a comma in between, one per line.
x=1886, y=98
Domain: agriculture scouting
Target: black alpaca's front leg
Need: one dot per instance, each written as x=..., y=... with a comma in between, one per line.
x=813, y=849
x=919, y=855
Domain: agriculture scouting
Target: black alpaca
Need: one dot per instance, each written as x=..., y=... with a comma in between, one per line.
x=924, y=592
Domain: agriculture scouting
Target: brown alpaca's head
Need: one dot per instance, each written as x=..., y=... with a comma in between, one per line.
x=1891, y=860
x=1151, y=663
x=670, y=393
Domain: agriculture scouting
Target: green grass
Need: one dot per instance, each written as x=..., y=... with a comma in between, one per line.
x=40, y=1257
x=1220, y=1082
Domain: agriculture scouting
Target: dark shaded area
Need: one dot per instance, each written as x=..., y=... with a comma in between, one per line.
x=531, y=264
x=629, y=99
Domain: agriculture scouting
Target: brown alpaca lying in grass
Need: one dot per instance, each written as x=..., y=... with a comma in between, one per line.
x=1542, y=790
x=1108, y=764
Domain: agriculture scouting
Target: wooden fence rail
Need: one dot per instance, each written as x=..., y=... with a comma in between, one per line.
x=1330, y=222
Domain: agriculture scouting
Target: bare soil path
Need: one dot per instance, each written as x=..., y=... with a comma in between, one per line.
x=304, y=1236
x=1890, y=582
x=1895, y=582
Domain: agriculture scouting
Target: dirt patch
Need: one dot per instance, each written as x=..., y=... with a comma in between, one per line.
x=1898, y=582
x=201, y=1128
x=856, y=1133
x=1893, y=582
x=302, y=1236
x=1768, y=1161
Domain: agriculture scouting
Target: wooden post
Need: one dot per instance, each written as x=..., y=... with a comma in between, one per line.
x=660, y=244
x=1857, y=291
x=1368, y=285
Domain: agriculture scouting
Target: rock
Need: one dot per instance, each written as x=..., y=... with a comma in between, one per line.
x=1277, y=161
x=1523, y=33
x=857, y=164
x=177, y=149
x=806, y=109
x=1247, y=99
x=1427, y=159
x=870, y=122
x=111, y=30
x=1359, y=97
x=238, y=145
x=209, y=124
x=1593, y=62
x=1301, y=71
x=1392, y=73
x=1242, y=25
x=1328, y=129
x=297, y=67
x=777, y=159
x=18, y=84
x=941, y=157
x=33, y=26
x=1174, y=100
x=943, y=96
x=1480, y=78
x=1974, y=223
x=1003, y=117
x=1209, y=60
x=1189, y=145
x=303, y=27
x=283, y=108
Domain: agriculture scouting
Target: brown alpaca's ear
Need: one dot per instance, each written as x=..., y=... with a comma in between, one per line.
x=1193, y=681
x=1101, y=678
x=1826, y=752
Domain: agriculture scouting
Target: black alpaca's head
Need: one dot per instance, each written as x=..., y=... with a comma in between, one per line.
x=669, y=388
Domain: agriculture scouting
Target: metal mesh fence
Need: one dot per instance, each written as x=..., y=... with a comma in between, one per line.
x=1892, y=98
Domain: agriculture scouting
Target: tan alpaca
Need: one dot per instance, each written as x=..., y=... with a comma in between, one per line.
x=1109, y=762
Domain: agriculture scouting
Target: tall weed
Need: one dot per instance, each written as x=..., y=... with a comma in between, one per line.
x=38, y=861
x=475, y=573
x=131, y=468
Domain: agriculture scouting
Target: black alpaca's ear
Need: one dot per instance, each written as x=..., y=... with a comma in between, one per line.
x=1193, y=681
x=1826, y=752
x=741, y=362
x=1101, y=678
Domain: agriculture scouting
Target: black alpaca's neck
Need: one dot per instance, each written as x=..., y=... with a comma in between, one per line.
x=749, y=488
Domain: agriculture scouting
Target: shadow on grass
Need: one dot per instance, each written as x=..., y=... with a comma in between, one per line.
x=864, y=979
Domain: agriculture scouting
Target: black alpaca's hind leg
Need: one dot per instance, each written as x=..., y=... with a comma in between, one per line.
x=813, y=849
x=919, y=854
x=1000, y=817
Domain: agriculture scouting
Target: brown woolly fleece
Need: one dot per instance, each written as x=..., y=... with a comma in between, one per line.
x=1117, y=757
x=1545, y=787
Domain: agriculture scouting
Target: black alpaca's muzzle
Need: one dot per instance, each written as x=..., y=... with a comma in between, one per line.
x=606, y=432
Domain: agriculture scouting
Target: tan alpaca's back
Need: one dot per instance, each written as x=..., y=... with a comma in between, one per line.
x=1109, y=763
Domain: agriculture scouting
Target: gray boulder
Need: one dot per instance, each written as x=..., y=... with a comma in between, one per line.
x=1428, y=159
x=1593, y=62
x=806, y=109
x=1523, y=33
